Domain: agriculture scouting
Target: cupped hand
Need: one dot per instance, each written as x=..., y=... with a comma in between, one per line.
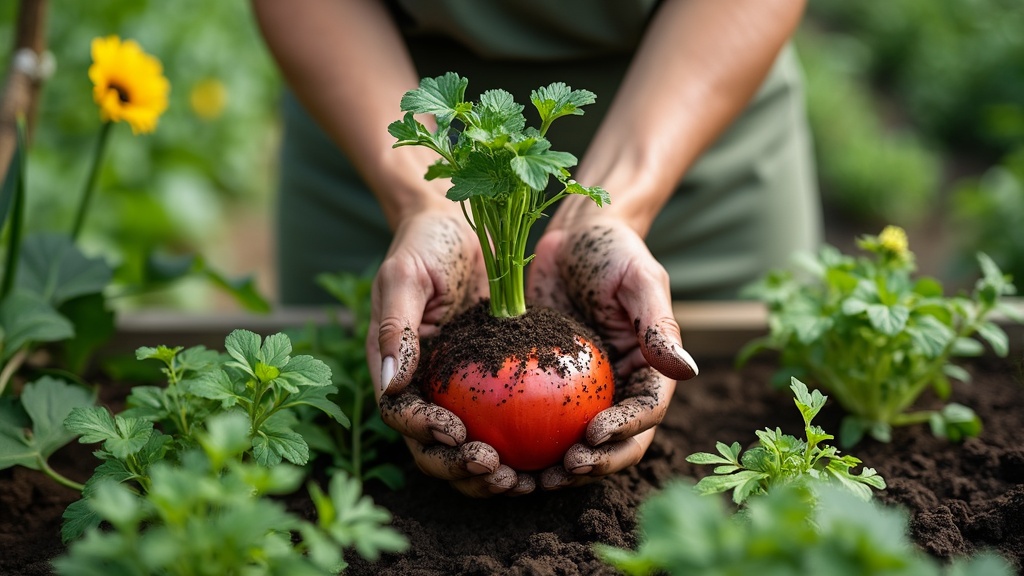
x=432, y=271
x=602, y=272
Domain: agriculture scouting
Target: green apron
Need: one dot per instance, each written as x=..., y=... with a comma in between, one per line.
x=744, y=207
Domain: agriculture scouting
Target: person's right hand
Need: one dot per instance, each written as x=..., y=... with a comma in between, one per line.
x=432, y=271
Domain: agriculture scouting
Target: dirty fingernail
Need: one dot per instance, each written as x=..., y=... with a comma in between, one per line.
x=477, y=468
x=388, y=369
x=443, y=438
x=584, y=469
x=685, y=357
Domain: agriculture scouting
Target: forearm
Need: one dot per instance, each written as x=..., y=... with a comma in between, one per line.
x=697, y=67
x=348, y=65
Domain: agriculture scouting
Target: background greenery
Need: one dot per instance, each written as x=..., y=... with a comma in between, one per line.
x=917, y=108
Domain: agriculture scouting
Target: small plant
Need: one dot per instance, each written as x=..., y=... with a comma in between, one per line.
x=781, y=459
x=781, y=533
x=876, y=338
x=260, y=381
x=211, y=513
x=354, y=448
x=531, y=401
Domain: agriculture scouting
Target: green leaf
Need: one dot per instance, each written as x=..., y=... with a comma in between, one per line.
x=956, y=372
x=215, y=385
x=557, y=99
x=275, y=350
x=485, y=175
x=52, y=266
x=244, y=347
x=27, y=318
x=276, y=440
x=305, y=371
x=352, y=519
x=955, y=422
x=162, y=353
x=996, y=338
x=121, y=436
x=46, y=403
x=718, y=484
x=317, y=398
x=889, y=320
x=809, y=403
x=93, y=325
x=496, y=119
x=599, y=195
x=443, y=96
x=78, y=517
x=537, y=163
x=930, y=336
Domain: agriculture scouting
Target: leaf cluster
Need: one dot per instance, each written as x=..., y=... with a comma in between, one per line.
x=781, y=459
x=257, y=379
x=497, y=164
x=876, y=337
x=209, y=514
x=781, y=533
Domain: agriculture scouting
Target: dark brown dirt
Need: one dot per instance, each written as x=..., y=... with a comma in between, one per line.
x=960, y=497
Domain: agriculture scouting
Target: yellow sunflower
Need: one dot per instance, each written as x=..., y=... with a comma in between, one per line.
x=128, y=84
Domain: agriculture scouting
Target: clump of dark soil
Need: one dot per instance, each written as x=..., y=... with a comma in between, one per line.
x=960, y=498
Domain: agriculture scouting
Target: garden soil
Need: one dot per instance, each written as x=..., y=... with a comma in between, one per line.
x=960, y=498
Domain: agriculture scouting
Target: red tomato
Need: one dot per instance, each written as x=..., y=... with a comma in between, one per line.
x=530, y=415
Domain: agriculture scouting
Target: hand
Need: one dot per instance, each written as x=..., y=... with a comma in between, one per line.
x=433, y=269
x=603, y=271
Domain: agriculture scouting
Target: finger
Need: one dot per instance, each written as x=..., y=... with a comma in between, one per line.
x=609, y=458
x=418, y=419
x=646, y=397
x=645, y=296
x=557, y=478
x=447, y=463
x=525, y=483
x=399, y=299
x=501, y=481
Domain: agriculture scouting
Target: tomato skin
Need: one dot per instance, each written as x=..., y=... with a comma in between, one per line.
x=530, y=415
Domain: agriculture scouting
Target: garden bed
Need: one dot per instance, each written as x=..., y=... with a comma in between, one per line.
x=961, y=498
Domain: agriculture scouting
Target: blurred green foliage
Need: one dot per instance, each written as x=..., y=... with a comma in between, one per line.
x=917, y=109
x=179, y=188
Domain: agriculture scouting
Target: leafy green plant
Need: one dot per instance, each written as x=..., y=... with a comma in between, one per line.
x=497, y=165
x=212, y=513
x=341, y=344
x=783, y=533
x=781, y=459
x=260, y=380
x=873, y=336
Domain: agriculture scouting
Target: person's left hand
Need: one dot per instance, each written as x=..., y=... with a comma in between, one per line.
x=603, y=272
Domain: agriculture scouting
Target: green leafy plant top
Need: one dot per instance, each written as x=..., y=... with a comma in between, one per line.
x=782, y=533
x=875, y=337
x=782, y=459
x=497, y=165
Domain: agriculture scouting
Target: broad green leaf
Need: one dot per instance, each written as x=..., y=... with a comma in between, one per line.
x=705, y=458
x=955, y=422
x=46, y=403
x=496, y=119
x=93, y=323
x=244, y=347
x=52, y=266
x=276, y=349
x=956, y=372
x=276, y=440
x=889, y=320
x=226, y=436
x=27, y=318
x=485, y=175
x=717, y=484
x=305, y=371
x=443, y=96
x=121, y=436
x=967, y=347
x=536, y=164
x=930, y=336
x=214, y=385
x=78, y=519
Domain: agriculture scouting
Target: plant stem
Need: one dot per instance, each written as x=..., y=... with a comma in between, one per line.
x=11, y=368
x=57, y=476
x=90, y=181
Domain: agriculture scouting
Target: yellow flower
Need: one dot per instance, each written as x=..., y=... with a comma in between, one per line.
x=208, y=98
x=128, y=84
x=894, y=240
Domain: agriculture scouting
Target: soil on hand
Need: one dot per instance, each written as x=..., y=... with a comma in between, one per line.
x=960, y=497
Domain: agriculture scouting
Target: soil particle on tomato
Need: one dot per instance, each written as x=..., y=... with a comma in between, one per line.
x=476, y=341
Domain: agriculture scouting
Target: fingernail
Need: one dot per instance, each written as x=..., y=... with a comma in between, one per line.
x=477, y=468
x=585, y=469
x=685, y=357
x=388, y=369
x=443, y=438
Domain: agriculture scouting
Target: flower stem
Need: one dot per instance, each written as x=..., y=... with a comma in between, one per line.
x=90, y=181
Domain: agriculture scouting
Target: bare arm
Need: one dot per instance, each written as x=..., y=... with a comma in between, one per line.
x=348, y=65
x=699, y=64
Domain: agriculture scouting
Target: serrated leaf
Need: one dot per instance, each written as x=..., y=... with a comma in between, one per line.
x=244, y=347
x=120, y=436
x=598, y=194
x=557, y=99
x=78, y=518
x=536, y=164
x=485, y=175
x=718, y=484
x=52, y=266
x=275, y=440
x=442, y=96
x=276, y=349
x=317, y=398
x=46, y=403
x=214, y=385
x=889, y=320
x=160, y=353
